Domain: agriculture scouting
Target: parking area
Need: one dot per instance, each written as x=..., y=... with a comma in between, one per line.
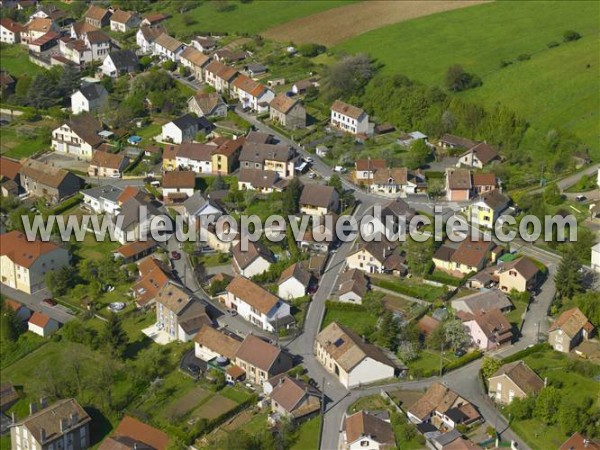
x=64, y=161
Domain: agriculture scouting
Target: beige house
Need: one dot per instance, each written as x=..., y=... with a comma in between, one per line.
x=521, y=274
x=318, y=200
x=209, y=104
x=376, y=256
x=569, y=330
x=194, y=60
x=77, y=136
x=512, y=380
x=65, y=424
x=261, y=360
x=293, y=398
x=470, y=256
x=350, y=358
x=52, y=183
x=179, y=314
x=105, y=164
x=25, y=263
x=219, y=76
x=211, y=343
x=288, y=112
x=255, y=260
x=365, y=430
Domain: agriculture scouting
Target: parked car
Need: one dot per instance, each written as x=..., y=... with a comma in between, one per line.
x=193, y=369
x=232, y=312
x=309, y=159
x=50, y=302
x=175, y=255
x=581, y=198
x=459, y=352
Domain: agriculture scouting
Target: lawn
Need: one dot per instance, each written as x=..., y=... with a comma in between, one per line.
x=356, y=318
x=13, y=351
x=15, y=60
x=91, y=248
x=19, y=140
x=308, y=434
x=236, y=17
x=480, y=37
x=409, y=287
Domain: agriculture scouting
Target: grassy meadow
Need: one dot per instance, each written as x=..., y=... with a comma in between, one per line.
x=557, y=88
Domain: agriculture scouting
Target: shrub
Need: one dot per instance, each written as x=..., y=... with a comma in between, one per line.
x=571, y=35
x=552, y=44
x=462, y=361
x=505, y=63
x=311, y=50
x=524, y=57
x=526, y=352
x=170, y=65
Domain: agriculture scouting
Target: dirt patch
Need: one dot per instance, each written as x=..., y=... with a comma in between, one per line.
x=340, y=24
x=188, y=402
x=405, y=398
x=215, y=407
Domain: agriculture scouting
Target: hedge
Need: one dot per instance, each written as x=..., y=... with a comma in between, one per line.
x=332, y=304
x=445, y=279
x=66, y=205
x=526, y=352
x=462, y=361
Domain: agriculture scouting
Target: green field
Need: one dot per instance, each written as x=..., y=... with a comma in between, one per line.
x=14, y=59
x=555, y=89
x=238, y=18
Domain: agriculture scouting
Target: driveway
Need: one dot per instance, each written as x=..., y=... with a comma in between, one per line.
x=34, y=302
x=65, y=161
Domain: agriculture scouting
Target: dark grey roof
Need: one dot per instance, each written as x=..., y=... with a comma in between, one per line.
x=123, y=59
x=204, y=124
x=93, y=91
x=256, y=68
x=256, y=152
x=107, y=192
x=196, y=202
x=131, y=212
x=186, y=121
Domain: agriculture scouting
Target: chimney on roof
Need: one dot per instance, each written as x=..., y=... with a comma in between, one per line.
x=32, y=408
x=586, y=442
x=63, y=425
x=43, y=402
x=74, y=419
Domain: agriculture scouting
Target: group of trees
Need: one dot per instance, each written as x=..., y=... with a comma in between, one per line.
x=458, y=80
x=47, y=89
x=348, y=76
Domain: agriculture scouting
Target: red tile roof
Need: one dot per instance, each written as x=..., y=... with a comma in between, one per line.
x=39, y=319
x=21, y=251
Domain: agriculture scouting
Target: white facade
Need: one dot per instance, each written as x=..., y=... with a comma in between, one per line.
x=145, y=46
x=31, y=279
x=100, y=205
x=108, y=68
x=8, y=36
x=163, y=52
x=194, y=165
x=291, y=288
x=172, y=133
x=79, y=103
x=50, y=327
x=249, y=101
x=258, y=266
x=349, y=124
x=596, y=257
x=167, y=191
x=65, y=140
x=267, y=321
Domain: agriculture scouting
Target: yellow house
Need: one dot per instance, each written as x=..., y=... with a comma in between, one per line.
x=170, y=157
x=486, y=210
x=470, y=256
x=317, y=200
x=226, y=156
x=24, y=263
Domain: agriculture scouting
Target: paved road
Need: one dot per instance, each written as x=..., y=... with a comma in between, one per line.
x=566, y=182
x=34, y=303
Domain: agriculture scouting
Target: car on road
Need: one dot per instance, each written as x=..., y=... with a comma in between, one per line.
x=581, y=198
x=309, y=159
x=340, y=169
x=175, y=255
x=49, y=302
x=459, y=352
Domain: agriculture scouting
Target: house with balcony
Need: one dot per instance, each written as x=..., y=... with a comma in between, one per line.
x=349, y=118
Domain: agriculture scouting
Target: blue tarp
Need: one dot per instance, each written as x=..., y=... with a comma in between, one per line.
x=134, y=140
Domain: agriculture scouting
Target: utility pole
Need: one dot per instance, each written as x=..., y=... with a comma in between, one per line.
x=442, y=360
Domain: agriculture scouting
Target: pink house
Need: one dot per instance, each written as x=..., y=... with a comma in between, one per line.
x=489, y=330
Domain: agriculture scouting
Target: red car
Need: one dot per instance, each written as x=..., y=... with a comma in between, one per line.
x=176, y=255
x=50, y=302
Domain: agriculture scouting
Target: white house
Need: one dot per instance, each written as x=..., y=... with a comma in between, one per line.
x=349, y=118
x=256, y=259
x=42, y=325
x=99, y=43
x=180, y=182
x=293, y=282
x=363, y=430
x=168, y=47
x=596, y=257
x=257, y=305
x=195, y=157
x=350, y=358
x=199, y=210
x=207, y=104
x=118, y=63
x=102, y=199
x=77, y=136
x=219, y=76
x=252, y=94
x=89, y=98
x=10, y=31
x=75, y=50
x=181, y=129
x=145, y=37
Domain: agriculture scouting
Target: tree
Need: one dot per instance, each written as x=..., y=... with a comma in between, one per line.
x=546, y=405
x=589, y=304
x=348, y=76
x=311, y=50
x=418, y=155
x=291, y=197
x=336, y=182
x=418, y=256
x=552, y=195
x=489, y=366
x=114, y=336
x=60, y=281
x=408, y=351
x=68, y=81
x=458, y=80
x=568, y=278
x=218, y=184
x=522, y=408
x=456, y=334
x=387, y=334
x=43, y=92
x=11, y=325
